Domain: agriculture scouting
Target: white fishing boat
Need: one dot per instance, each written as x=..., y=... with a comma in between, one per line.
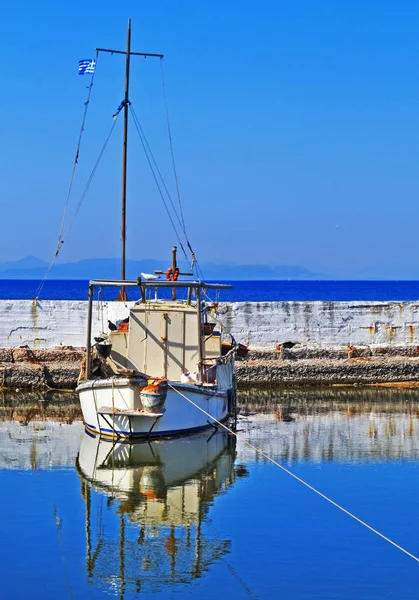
x=161, y=371
x=167, y=375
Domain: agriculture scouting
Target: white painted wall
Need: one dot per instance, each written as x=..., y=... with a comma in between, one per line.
x=265, y=324
x=49, y=323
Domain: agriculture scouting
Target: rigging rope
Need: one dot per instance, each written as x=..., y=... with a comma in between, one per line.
x=92, y=174
x=171, y=147
x=83, y=195
x=60, y=241
x=76, y=158
x=151, y=160
x=307, y=485
x=141, y=130
x=194, y=263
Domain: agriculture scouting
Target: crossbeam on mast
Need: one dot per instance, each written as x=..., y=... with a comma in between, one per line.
x=145, y=54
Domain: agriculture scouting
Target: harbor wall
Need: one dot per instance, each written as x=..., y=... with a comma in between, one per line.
x=52, y=323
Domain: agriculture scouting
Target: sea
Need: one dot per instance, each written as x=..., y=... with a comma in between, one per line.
x=241, y=291
x=208, y=516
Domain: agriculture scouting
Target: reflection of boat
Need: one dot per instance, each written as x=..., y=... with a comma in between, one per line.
x=169, y=345
x=160, y=492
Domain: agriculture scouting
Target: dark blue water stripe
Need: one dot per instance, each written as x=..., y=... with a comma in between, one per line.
x=254, y=291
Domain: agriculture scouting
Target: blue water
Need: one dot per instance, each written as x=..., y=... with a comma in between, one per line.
x=254, y=291
x=238, y=527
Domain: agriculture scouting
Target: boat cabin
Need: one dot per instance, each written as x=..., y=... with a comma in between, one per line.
x=171, y=339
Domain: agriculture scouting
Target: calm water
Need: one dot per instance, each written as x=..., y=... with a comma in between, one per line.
x=255, y=291
x=205, y=516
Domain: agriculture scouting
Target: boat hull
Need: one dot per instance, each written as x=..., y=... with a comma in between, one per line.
x=104, y=403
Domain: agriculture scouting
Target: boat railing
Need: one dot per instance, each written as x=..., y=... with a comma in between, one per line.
x=159, y=284
x=224, y=359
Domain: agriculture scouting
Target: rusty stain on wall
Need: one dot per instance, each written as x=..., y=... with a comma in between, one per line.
x=392, y=331
x=412, y=333
x=35, y=317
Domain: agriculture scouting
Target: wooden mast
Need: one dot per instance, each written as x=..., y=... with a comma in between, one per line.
x=125, y=104
x=122, y=295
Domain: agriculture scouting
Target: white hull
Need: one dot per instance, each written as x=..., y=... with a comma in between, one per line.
x=125, y=468
x=179, y=416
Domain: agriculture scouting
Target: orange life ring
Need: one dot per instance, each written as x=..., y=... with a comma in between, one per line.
x=172, y=275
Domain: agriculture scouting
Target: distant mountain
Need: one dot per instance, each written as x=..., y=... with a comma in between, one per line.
x=29, y=262
x=104, y=268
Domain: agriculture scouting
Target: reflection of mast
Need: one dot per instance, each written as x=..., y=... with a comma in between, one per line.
x=197, y=566
x=90, y=560
x=170, y=546
x=122, y=556
x=85, y=492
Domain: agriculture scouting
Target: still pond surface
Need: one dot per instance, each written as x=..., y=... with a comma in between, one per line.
x=206, y=516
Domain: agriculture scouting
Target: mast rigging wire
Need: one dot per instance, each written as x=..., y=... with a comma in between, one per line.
x=141, y=130
x=307, y=485
x=70, y=186
x=151, y=160
x=171, y=149
x=194, y=263
x=83, y=195
x=76, y=158
x=92, y=174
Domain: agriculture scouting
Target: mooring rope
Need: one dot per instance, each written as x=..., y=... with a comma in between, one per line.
x=307, y=485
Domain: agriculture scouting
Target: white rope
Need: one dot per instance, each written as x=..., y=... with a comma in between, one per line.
x=310, y=487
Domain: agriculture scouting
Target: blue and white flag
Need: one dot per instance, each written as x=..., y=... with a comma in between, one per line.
x=87, y=66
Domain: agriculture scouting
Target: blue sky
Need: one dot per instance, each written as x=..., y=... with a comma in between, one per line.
x=295, y=128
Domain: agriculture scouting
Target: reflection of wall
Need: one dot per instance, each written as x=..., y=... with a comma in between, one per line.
x=344, y=434
x=330, y=398
x=48, y=323
x=39, y=445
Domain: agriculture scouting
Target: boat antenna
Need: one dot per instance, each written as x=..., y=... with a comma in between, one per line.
x=125, y=104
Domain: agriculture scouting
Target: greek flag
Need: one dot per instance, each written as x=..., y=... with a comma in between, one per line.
x=87, y=66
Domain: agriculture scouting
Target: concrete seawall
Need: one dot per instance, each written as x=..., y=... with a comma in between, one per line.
x=42, y=342
x=52, y=323
x=266, y=324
